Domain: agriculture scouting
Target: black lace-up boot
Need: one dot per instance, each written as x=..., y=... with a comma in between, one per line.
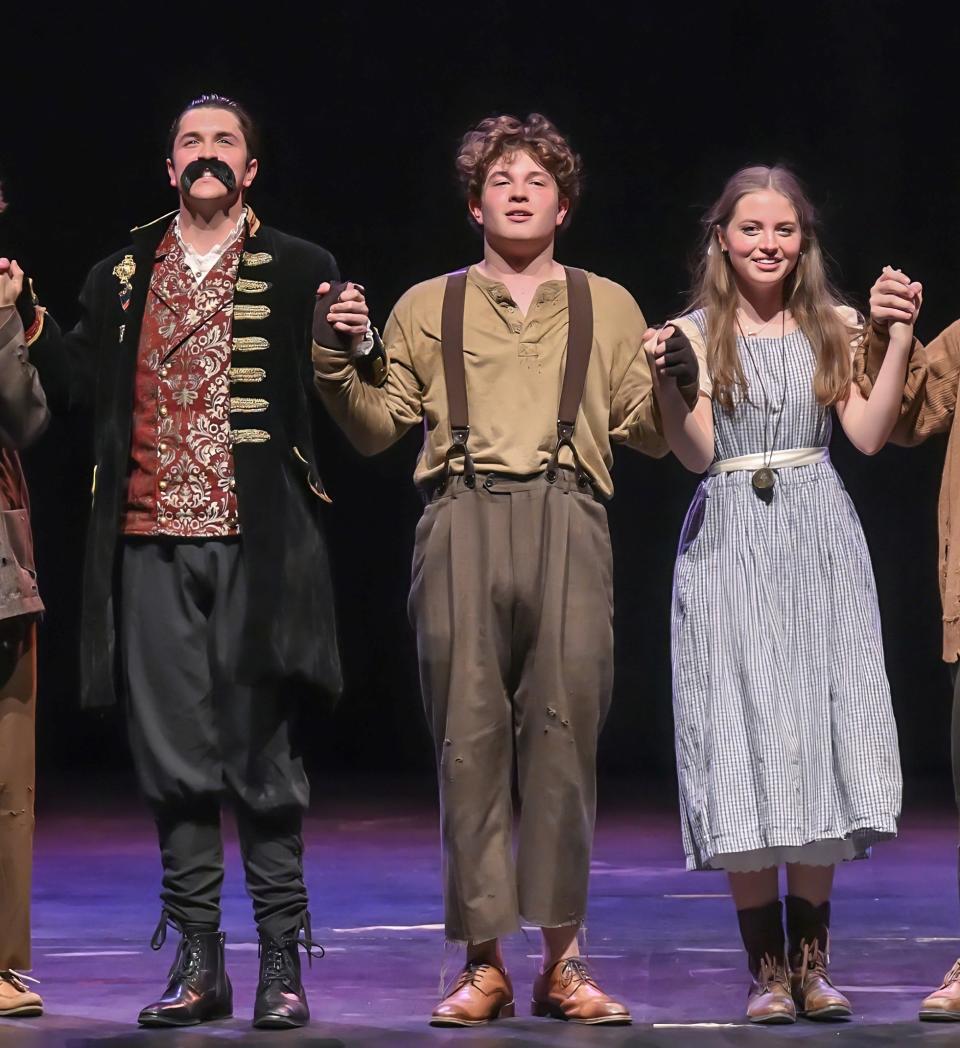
x=198, y=989
x=281, y=999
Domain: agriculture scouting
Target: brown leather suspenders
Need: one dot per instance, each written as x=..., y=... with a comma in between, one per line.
x=451, y=348
x=579, y=344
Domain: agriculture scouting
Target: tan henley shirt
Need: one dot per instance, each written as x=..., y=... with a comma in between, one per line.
x=514, y=368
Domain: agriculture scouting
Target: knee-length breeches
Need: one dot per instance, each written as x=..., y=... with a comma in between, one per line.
x=200, y=735
x=512, y=601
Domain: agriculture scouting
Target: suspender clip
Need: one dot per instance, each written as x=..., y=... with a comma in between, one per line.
x=460, y=436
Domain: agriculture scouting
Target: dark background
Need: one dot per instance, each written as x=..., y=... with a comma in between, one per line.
x=362, y=107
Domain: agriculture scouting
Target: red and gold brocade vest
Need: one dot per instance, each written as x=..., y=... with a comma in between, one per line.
x=181, y=471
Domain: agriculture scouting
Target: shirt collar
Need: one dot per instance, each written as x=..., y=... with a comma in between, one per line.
x=218, y=249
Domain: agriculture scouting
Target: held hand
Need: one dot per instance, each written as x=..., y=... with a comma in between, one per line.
x=894, y=297
x=11, y=282
x=348, y=314
x=901, y=331
x=674, y=357
x=340, y=315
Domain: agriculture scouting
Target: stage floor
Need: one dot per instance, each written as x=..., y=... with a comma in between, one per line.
x=663, y=939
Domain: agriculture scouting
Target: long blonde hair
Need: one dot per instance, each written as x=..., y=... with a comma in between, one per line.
x=807, y=292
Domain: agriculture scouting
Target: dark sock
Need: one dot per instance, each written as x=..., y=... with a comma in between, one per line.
x=806, y=923
x=761, y=928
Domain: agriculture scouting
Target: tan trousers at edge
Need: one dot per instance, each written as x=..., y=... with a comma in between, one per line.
x=18, y=704
x=512, y=601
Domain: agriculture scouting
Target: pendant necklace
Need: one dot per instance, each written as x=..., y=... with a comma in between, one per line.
x=764, y=478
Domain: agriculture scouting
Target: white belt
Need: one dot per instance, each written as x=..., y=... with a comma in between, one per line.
x=785, y=459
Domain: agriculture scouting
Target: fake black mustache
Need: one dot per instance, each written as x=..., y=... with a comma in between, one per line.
x=199, y=167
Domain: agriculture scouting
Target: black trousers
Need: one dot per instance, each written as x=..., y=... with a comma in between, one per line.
x=200, y=736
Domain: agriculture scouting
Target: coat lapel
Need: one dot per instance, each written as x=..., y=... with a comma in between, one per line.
x=145, y=241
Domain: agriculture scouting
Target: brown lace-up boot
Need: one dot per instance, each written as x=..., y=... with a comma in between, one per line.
x=808, y=929
x=482, y=992
x=768, y=999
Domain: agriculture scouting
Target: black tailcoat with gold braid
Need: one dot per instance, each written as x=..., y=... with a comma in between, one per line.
x=290, y=631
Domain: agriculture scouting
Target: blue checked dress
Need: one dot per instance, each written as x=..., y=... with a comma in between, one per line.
x=785, y=737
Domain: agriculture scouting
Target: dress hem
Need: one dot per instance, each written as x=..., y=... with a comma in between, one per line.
x=863, y=840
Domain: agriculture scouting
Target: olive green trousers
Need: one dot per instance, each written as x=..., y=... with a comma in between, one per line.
x=512, y=602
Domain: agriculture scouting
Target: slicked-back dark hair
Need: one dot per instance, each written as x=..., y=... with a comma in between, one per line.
x=251, y=133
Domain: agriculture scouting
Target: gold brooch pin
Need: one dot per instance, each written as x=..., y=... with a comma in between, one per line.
x=123, y=271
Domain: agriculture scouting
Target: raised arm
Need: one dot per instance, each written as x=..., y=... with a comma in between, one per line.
x=634, y=416
x=65, y=361
x=929, y=392
x=23, y=406
x=869, y=422
x=372, y=415
x=678, y=370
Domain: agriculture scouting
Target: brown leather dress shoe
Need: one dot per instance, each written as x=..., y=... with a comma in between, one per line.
x=815, y=995
x=482, y=992
x=567, y=990
x=769, y=1000
x=17, y=1000
x=943, y=1005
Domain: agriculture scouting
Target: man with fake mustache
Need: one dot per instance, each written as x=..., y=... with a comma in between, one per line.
x=206, y=567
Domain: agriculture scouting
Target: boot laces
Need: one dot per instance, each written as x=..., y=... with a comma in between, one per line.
x=814, y=961
x=771, y=973
x=574, y=974
x=277, y=962
x=277, y=956
x=470, y=975
x=951, y=975
x=159, y=936
x=18, y=979
x=307, y=941
x=187, y=962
